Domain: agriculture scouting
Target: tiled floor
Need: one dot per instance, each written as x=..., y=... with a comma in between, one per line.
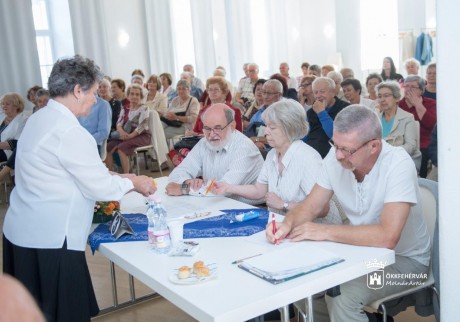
x=152, y=310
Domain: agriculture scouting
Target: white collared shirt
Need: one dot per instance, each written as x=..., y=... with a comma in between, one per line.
x=59, y=176
x=239, y=162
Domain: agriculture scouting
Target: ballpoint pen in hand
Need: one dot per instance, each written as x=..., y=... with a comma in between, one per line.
x=274, y=228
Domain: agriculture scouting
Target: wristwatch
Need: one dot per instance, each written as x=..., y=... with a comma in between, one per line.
x=257, y=139
x=184, y=188
x=285, y=207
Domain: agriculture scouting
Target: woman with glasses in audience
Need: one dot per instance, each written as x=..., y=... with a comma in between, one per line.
x=290, y=169
x=256, y=104
x=398, y=126
x=306, y=96
x=154, y=99
x=389, y=71
x=132, y=129
x=217, y=89
x=424, y=111
x=371, y=81
x=186, y=105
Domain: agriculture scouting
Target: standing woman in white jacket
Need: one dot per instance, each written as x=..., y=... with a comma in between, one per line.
x=11, y=123
x=59, y=176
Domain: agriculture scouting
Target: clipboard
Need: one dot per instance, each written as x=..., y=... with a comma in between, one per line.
x=289, y=261
x=277, y=278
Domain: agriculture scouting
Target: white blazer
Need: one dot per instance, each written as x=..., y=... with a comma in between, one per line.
x=13, y=130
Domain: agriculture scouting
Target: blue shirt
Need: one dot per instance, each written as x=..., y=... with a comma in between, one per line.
x=98, y=121
x=386, y=126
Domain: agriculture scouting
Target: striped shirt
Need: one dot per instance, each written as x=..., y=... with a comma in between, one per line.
x=239, y=162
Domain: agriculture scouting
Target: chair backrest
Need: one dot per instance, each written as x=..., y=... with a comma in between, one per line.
x=429, y=197
x=417, y=131
x=104, y=150
x=158, y=137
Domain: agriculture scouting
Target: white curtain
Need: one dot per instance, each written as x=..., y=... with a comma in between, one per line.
x=19, y=63
x=159, y=36
x=89, y=33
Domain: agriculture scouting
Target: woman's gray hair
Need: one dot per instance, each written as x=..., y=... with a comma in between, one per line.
x=335, y=76
x=105, y=80
x=361, y=119
x=184, y=83
x=412, y=60
x=290, y=116
x=69, y=72
x=135, y=86
x=415, y=78
x=330, y=82
x=393, y=86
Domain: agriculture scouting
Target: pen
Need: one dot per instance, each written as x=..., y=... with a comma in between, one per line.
x=243, y=259
x=274, y=228
x=209, y=187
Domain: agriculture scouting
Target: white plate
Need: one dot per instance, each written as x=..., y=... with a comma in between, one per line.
x=173, y=278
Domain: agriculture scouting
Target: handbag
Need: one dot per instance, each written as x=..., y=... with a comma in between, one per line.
x=187, y=142
x=176, y=123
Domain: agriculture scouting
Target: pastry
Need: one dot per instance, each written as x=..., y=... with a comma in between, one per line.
x=197, y=266
x=202, y=272
x=184, y=272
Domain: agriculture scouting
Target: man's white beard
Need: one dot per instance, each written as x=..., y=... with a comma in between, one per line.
x=219, y=146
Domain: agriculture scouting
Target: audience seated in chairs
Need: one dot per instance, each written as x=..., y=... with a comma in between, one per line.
x=183, y=108
x=399, y=127
x=132, y=130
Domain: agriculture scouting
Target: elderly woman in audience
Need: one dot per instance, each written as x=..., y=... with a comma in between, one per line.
x=338, y=79
x=154, y=99
x=217, y=89
x=11, y=123
x=132, y=127
x=314, y=70
x=256, y=104
x=389, y=71
x=430, y=89
x=352, y=91
x=371, y=81
x=32, y=95
x=104, y=92
x=326, y=69
x=306, y=96
x=183, y=108
x=166, y=88
x=424, y=111
x=41, y=98
x=412, y=66
x=118, y=91
x=290, y=169
x=398, y=126
x=287, y=92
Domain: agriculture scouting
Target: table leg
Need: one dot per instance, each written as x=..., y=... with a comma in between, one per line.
x=310, y=308
x=284, y=311
x=114, y=284
x=131, y=288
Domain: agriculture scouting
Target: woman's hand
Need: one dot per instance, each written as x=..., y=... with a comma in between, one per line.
x=144, y=185
x=170, y=116
x=273, y=201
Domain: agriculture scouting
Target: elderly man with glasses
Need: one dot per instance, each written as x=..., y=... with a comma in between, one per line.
x=376, y=184
x=224, y=154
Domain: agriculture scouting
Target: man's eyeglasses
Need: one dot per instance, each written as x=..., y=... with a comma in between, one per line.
x=270, y=93
x=348, y=152
x=217, y=130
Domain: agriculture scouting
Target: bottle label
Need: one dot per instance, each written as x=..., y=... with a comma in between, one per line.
x=151, y=236
x=162, y=239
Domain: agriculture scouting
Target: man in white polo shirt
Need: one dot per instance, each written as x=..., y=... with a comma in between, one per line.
x=377, y=186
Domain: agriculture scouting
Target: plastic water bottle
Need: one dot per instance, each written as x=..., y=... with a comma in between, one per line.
x=152, y=218
x=160, y=230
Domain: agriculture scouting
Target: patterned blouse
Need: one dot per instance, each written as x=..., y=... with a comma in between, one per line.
x=139, y=118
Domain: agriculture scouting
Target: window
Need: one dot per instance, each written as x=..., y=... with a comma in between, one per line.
x=43, y=38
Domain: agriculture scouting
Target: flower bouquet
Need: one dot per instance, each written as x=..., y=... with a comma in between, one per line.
x=103, y=211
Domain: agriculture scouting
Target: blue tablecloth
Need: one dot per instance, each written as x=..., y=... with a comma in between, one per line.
x=220, y=226
x=101, y=234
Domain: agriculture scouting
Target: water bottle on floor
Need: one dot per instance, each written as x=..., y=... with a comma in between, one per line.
x=161, y=234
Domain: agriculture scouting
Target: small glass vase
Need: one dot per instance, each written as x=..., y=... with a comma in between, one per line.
x=99, y=218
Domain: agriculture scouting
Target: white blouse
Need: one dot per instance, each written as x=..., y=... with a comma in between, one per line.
x=59, y=176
